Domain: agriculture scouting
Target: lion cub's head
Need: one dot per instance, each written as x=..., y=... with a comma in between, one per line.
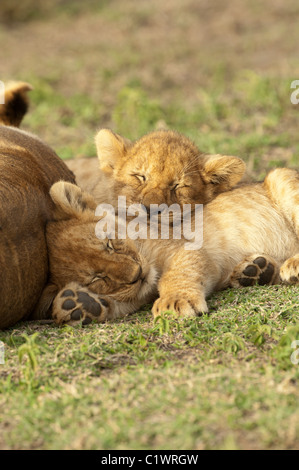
x=107, y=267
x=164, y=167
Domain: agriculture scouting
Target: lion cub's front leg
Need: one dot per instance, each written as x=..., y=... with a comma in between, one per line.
x=182, y=288
x=183, y=305
x=75, y=305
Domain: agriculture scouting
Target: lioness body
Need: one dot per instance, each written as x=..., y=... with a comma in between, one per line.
x=28, y=169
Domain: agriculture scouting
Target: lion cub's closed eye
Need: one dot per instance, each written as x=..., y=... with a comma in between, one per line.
x=161, y=167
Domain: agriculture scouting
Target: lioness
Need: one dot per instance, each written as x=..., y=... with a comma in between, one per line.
x=250, y=235
x=28, y=169
x=161, y=167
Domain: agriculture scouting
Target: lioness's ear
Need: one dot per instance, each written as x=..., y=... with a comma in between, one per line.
x=70, y=201
x=220, y=169
x=111, y=148
x=15, y=103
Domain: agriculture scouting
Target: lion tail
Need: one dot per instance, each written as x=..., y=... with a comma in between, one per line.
x=14, y=103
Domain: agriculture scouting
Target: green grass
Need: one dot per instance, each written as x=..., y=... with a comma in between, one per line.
x=219, y=122
x=70, y=116
x=225, y=380
x=243, y=122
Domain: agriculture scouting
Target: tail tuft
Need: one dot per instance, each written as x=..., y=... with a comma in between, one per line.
x=16, y=103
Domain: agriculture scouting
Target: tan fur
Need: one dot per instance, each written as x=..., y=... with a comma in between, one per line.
x=254, y=220
x=161, y=167
x=28, y=169
x=86, y=171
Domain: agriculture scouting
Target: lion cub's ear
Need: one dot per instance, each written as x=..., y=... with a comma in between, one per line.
x=111, y=148
x=224, y=170
x=70, y=201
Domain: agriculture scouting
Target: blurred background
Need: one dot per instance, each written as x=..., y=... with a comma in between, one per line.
x=220, y=72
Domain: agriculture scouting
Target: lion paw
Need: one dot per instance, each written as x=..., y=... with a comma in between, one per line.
x=188, y=306
x=289, y=271
x=262, y=270
x=75, y=305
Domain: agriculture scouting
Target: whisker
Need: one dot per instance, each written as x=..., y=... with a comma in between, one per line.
x=191, y=173
x=189, y=164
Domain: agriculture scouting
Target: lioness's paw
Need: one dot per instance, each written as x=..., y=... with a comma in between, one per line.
x=262, y=270
x=77, y=305
x=188, y=306
x=289, y=271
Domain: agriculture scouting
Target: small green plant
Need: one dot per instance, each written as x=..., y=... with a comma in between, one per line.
x=162, y=321
x=30, y=351
x=258, y=333
x=232, y=343
x=283, y=351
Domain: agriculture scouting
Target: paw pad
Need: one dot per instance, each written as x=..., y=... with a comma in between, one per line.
x=79, y=306
x=68, y=304
x=266, y=276
x=90, y=304
x=260, y=261
x=68, y=293
x=260, y=272
x=254, y=270
x=250, y=271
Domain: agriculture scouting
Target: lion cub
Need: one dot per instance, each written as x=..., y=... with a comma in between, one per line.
x=251, y=235
x=161, y=167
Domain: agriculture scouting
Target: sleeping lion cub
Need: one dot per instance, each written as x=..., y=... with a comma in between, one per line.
x=161, y=167
x=251, y=235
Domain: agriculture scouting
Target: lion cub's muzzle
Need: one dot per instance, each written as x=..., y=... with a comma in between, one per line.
x=128, y=273
x=136, y=274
